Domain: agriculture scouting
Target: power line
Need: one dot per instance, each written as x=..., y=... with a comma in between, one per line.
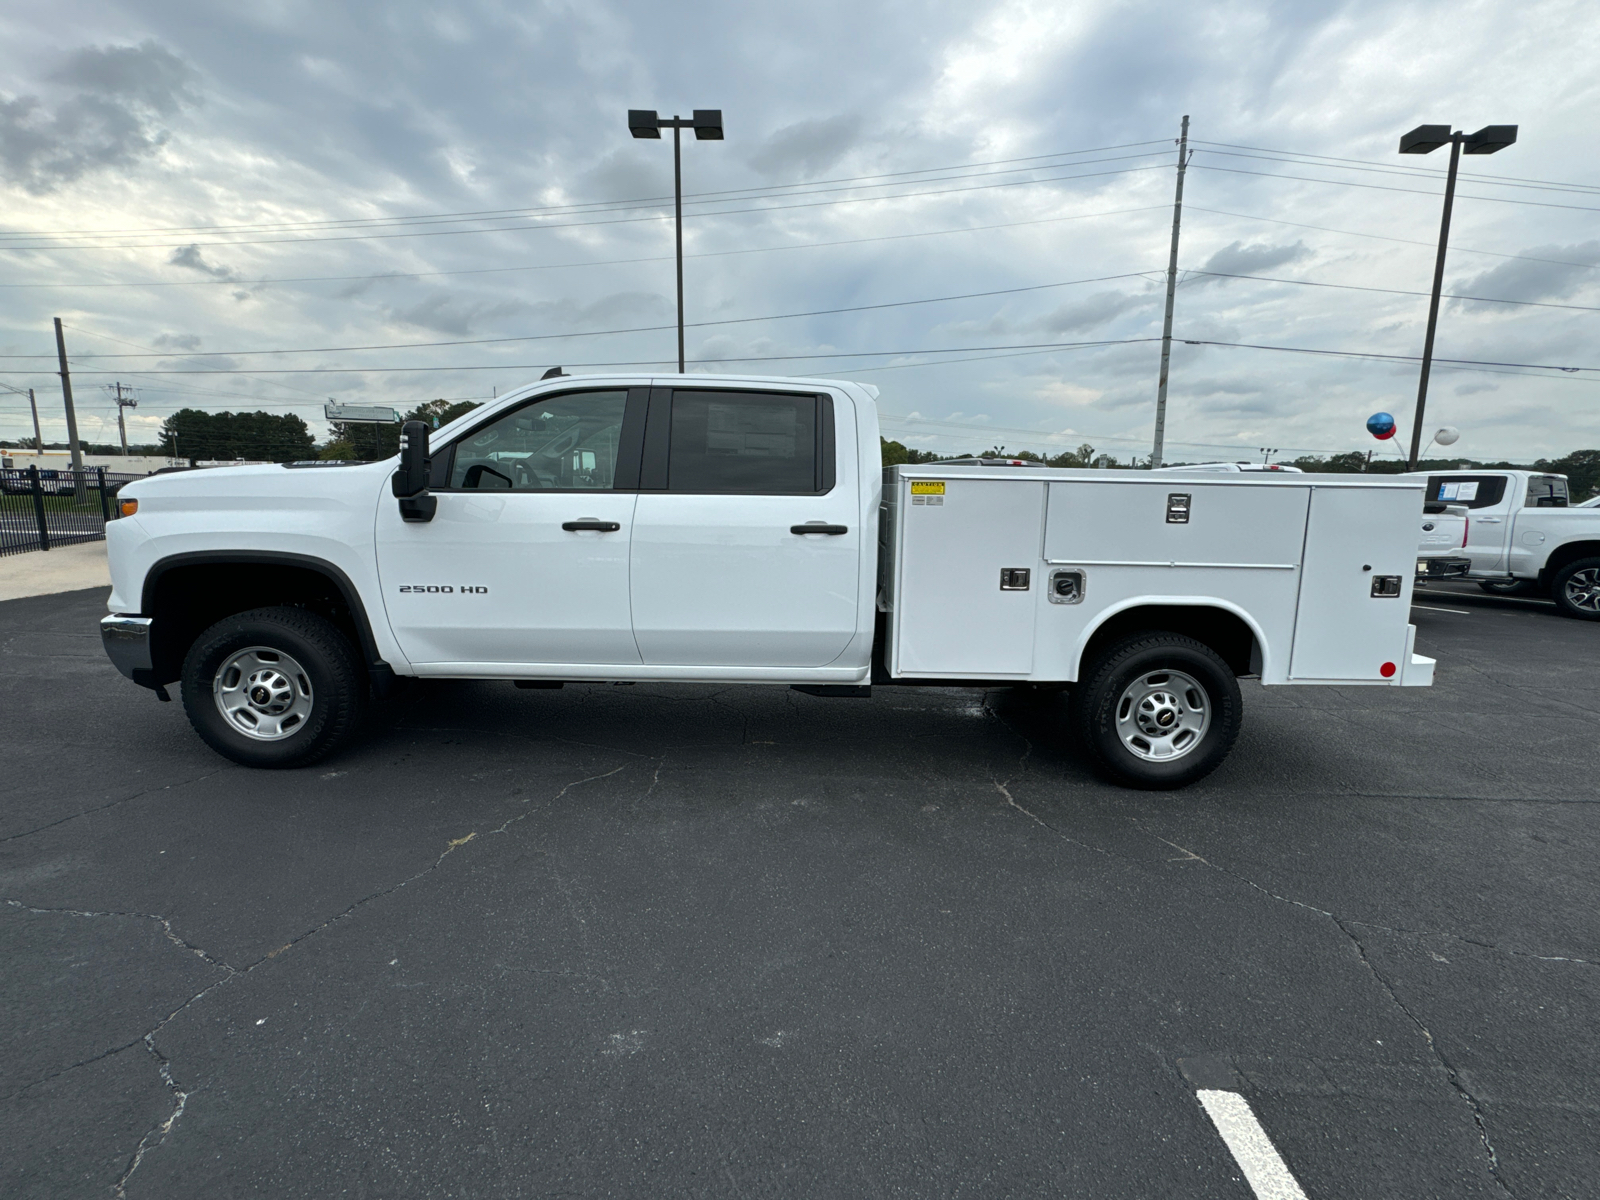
x=1385, y=238
x=587, y=224
x=489, y=214
x=1421, y=170
x=643, y=362
x=1379, y=187
x=1373, y=354
x=539, y=337
x=1351, y=287
x=616, y=262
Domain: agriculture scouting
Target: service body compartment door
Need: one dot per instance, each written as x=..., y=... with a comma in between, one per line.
x=1354, y=537
x=952, y=615
x=719, y=577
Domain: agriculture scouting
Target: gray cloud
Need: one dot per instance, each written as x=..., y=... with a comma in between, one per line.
x=1241, y=259
x=444, y=313
x=192, y=257
x=176, y=341
x=807, y=148
x=1522, y=279
x=1091, y=311
x=145, y=76
x=628, y=173
x=111, y=121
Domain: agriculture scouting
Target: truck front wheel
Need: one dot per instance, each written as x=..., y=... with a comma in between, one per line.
x=1158, y=710
x=1576, y=589
x=276, y=687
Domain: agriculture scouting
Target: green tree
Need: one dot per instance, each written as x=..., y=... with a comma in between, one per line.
x=1582, y=469
x=897, y=454
x=270, y=437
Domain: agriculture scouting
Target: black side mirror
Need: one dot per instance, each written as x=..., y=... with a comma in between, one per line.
x=410, y=481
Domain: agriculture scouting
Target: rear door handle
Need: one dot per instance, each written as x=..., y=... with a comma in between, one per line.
x=591, y=523
x=818, y=527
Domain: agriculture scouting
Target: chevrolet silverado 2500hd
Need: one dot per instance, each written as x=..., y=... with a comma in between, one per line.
x=716, y=529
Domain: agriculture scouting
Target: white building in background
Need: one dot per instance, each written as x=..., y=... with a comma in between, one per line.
x=58, y=460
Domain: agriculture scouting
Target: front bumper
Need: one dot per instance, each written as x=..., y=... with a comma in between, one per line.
x=127, y=643
x=1443, y=568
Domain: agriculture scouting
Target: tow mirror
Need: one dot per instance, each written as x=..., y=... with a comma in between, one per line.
x=410, y=482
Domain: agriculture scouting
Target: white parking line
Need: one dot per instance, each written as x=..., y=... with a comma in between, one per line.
x=1257, y=1157
x=1460, y=612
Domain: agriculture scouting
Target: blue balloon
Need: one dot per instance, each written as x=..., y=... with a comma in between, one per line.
x=1380, y=426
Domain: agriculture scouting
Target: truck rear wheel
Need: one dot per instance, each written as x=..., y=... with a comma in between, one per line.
x=276, y=687
x=1158, y=710
x=1576, y=589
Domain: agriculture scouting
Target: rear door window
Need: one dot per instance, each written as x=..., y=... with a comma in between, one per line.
x=1547, y=491
x=1474, y=491
x=748, y=443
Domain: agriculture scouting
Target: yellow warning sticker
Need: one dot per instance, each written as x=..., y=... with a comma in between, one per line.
x=927, y=487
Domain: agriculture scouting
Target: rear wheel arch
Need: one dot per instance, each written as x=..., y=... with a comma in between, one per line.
x=185, y=594
x=1229, y=634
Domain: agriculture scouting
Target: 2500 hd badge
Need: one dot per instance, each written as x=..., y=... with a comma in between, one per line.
x=444, y=589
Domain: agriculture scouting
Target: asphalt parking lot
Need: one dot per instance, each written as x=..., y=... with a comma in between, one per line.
x=678, y=941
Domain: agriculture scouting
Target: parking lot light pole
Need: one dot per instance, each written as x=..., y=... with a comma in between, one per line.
x=1425, y=139
x=707, y=126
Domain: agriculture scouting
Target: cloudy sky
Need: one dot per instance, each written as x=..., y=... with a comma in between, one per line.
x=261, y=206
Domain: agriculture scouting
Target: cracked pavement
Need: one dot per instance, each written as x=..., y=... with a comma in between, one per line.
x=737, y=941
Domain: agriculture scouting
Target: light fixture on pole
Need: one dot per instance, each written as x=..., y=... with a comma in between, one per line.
x=707, y=126
x=1425, y=139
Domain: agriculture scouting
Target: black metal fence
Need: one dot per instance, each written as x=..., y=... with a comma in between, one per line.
x=41, y=509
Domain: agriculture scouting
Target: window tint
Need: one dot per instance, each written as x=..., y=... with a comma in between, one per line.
x=747, y=443
x=1475, y=491
x=565, y=443
x=1546, y=491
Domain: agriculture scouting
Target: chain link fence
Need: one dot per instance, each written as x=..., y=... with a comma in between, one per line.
x=41, y=509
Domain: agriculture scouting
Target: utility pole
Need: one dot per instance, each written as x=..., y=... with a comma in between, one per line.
x=72, y=417
x=1172, y=287
x=38, y=439
x=123, y=404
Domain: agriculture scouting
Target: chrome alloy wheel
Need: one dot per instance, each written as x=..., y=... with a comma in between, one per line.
x=1583, y=589
x=263, y=693
x=1162, y=716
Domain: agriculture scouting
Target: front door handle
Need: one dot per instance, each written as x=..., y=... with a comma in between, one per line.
x=819, y=527
x=591, y=523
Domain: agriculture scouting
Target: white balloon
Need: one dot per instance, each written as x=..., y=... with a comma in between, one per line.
x=1448, y=435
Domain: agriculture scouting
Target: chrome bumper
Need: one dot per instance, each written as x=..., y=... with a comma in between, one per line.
x=127, y=643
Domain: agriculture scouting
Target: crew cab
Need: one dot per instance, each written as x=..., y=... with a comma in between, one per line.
x=719, y=529
x=1522, y=536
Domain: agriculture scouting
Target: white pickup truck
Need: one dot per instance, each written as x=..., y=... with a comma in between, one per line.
x=717, y=529
x=1521, y=535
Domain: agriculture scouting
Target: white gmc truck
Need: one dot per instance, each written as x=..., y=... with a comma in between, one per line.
x=1517, y=533
x=716, y=529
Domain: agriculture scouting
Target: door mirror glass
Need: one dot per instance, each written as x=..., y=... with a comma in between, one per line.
x=412, y=477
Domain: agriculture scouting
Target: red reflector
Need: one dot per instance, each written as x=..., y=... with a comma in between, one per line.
x=1387, y=670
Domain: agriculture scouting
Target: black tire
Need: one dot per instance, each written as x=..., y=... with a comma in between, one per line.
x=308, y=674
x=1509, y=587
x=1576, y=589
x=1139, y=663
